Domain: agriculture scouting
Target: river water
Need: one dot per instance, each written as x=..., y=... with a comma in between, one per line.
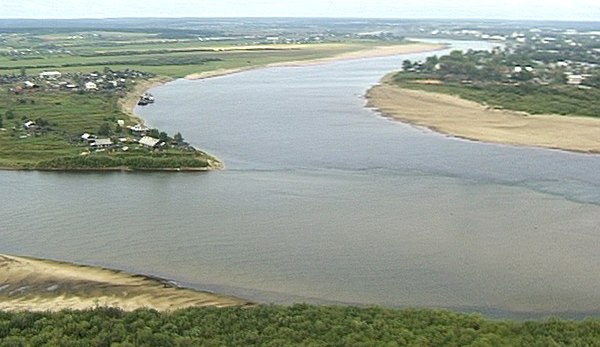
x=325, y=201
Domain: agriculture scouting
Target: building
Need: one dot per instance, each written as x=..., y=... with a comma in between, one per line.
x=138, y=130
x=50, y=75
x=90, y=86
x=574, y=80
x=101, y=143
x=149, y=142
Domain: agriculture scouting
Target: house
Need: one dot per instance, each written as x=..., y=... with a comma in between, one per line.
x=29, y=84
x=149, y=142
x=138, y=129
x=50, y=75
x=90, y=86
x=30, y=125
x=574, y=80
x=101, y=143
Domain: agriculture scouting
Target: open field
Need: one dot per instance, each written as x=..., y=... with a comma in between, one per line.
x=28, y=284
x=458, y=117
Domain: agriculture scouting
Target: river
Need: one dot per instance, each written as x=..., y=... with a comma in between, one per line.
x=325, y=201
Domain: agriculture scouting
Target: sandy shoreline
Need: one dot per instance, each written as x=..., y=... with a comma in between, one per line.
x=461, y=118
x=128, y=103
x=381, y=51
x=44, y=285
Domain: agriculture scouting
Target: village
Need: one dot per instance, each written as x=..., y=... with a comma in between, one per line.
x=116, y=81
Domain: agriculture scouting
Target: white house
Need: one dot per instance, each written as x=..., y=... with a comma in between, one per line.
x=574, y=80
x=90, y=86
x=51, y=75
x=102, y=143
x=149, y=141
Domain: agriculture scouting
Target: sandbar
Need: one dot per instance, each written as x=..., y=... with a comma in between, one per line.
x=466, y=119
x=375, y=52
x=29, y=284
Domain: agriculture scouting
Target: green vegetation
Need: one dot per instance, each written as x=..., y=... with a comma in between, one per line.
x=62, y=117
x=298, y=325
x=501, y=79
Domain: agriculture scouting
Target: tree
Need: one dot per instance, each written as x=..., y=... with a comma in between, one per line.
x=1, y=123
x=154, y=133
x=178, y=138
x=118, y=128
x=163, y=136
x=23, y=72
x=104, y=129
x=10, y=114
x=406, y=65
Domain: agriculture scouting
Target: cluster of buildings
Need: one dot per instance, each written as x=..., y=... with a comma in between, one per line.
x=94, y=81
x=139, y=133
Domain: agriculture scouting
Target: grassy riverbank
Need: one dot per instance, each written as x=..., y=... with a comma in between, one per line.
x=61, y=118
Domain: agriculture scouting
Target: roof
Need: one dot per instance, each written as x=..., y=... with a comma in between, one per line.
x=103, y=142
x=50, y=73
x=149, y=141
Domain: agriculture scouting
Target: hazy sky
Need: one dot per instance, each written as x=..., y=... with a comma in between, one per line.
x=496, y=9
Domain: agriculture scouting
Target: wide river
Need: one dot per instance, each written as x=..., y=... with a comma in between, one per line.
x=323, y=200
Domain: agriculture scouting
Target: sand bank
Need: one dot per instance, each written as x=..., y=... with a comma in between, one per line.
x=41, y=285
x=470, y=120
x=128, y=103
x=379, y=51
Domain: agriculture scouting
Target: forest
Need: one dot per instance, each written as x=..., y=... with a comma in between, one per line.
x=297, y=325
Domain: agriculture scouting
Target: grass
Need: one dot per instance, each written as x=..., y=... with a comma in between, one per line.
x=69, y=115
x=177, y=60
x=530, y=98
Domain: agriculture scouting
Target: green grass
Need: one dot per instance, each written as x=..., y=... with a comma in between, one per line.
x=69, y=115
x=177, y=60
x=530, y=98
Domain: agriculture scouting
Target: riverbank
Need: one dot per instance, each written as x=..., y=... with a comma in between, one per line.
x=376, y=52
x=28, y=284
x=461, y=118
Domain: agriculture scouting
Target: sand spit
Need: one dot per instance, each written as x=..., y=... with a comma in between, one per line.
x=470, y=120
x=380, y=51
x=44, y=285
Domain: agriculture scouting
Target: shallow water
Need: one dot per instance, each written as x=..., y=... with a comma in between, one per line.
x=323, y=200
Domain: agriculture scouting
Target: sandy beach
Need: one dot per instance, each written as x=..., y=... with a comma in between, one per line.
x=380, y=51
x=470, y=120
x=128, y=103
x=44, y=285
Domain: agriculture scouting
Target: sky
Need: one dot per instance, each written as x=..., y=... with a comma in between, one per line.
x=583, y=10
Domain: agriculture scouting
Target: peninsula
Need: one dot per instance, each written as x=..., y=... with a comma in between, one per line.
x=511, y=96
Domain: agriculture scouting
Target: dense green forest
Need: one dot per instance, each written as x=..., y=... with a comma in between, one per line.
x=298, y=325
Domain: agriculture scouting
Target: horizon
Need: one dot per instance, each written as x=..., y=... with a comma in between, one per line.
x=535, y=10
x=297, y=17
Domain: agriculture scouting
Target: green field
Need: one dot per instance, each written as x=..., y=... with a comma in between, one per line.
x=152, y=53
x=298, y=325
x=533, y=99
x=68, y=115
